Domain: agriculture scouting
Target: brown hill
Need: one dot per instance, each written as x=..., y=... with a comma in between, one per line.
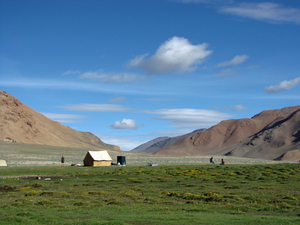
x=291, y=156
x=268, y=135
x=21, y=123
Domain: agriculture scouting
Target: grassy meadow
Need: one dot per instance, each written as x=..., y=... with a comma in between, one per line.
x=191, y=194
x=178, y=191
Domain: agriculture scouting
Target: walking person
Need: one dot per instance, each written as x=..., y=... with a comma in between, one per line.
x=62, y=160
x=212, y=160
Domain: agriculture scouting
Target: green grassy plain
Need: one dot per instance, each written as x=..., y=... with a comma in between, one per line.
x=166, y=194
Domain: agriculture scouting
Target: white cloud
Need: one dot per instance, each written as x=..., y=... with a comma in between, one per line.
x=125, y=124
x=239, y=108
x=235, y=61
x=175, y=55
x=64, y=118
x=192, y=118
x=267, y=11
x=284, y=85
x=117, y=99
x=63, y=85
x=96, y=108
x=137, y=60
x=225, y=73
x=126, y=142
x=69, y=72
x=233, y=108
x=110, y=78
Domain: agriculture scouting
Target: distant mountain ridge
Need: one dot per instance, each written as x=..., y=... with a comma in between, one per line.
x=161, y=142
x=146, y=145
x=20, y=123
x=271, y=134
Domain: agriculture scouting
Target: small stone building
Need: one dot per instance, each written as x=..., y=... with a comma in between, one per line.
x=97, y=158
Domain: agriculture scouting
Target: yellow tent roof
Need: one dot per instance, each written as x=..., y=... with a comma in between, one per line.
x=3, y=163
x=100, y=155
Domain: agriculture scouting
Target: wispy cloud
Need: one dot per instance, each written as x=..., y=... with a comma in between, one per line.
x=225, y=73
x=238, y=59
x=284, y=85
x=239, y=108
x=192, y=118
x=182, y=118
x=125, y=124
x=64, y=118
x=235, y=61
x=117, y=100
x=267, y=11
x=232, y=108
x=264, y=11
x=96, y=108
x=175, y=55
x=69, y=72
x=110, y=78
x=67, y=85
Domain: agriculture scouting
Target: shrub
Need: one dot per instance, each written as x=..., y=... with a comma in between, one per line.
x=37, y=185
x=232, y=187
x=47, y=193
x=190, y=196
x=31, y=193
x=23, y=188
x=171, y=193
x=211, y=196
x=45, y=202
x=96, y=192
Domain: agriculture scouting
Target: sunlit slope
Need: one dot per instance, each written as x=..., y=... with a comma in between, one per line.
x=268, y=135
x=20, y=123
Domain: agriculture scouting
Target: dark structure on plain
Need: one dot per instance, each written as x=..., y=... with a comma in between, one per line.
x=121, y=160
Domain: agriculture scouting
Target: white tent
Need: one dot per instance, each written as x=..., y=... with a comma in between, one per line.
x=3, y=163
x=97, y=158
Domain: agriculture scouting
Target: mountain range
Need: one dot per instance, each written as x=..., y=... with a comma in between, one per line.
x=271, y=134
x=20, y=123
x=161, y=142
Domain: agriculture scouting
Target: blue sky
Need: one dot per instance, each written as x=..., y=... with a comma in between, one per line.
x=133, y=70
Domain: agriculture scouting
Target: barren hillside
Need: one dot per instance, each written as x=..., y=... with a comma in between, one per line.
x=268, y=135
x=162, y=142
x=21, y=123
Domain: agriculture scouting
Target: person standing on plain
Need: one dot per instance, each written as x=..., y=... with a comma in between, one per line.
x=62, y=160
x=212, y=160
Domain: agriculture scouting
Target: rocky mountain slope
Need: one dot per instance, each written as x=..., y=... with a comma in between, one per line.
x=20, y=123
x=271, y=134
x=162, y=142
x=146, y=145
